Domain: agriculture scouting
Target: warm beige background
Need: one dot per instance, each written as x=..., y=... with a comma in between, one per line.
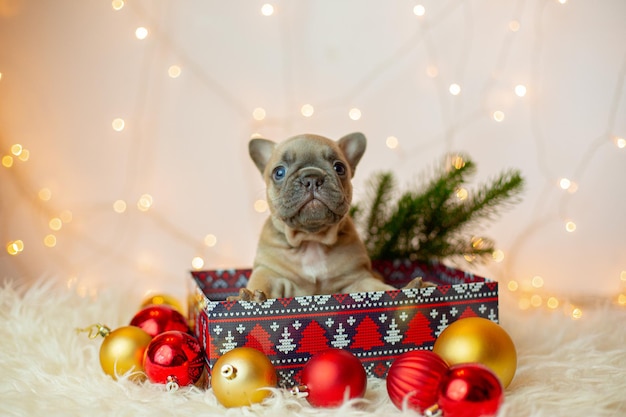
x=69, y=68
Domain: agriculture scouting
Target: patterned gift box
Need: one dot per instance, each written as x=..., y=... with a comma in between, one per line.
x=375, y=326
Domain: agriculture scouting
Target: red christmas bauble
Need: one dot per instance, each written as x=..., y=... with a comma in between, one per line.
x=415, y=376
x=155, y=319
x=174, y=356
x=331, y=376
x=470, y=390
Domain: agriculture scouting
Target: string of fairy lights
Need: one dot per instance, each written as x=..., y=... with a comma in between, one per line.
x=529, y=292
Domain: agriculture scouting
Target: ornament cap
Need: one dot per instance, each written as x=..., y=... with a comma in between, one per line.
x=433, y=411
x=95, y=330
x=300, y=391
x=172, y=384
x=228, y=371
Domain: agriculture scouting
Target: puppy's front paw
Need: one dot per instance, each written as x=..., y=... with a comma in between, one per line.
x=247, y=295
x=418, y=283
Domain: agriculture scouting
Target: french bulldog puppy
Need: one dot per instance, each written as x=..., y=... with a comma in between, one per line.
x=309, y=244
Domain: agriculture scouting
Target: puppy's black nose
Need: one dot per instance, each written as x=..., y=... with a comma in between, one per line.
x=312, y=179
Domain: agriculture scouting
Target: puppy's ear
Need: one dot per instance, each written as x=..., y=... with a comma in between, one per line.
x=260, y=152
x=353, y=147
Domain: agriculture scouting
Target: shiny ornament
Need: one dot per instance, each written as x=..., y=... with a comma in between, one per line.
x=470, y=390
x=476, y=339
x=122, y=351
x=155, y=319
x=241, y=377
x=414, y=377
x=163, y=299
x=174, y=357
x=330, y=377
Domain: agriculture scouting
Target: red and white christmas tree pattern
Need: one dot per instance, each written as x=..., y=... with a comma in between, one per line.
x=393, y=333
x=340, y=339
x=418, y=331
x=229, y=343
x=314, y=339
x=259, y=339
x=367, y=335
x=286, y=344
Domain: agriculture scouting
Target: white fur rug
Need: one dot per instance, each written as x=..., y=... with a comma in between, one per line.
x=566, y=367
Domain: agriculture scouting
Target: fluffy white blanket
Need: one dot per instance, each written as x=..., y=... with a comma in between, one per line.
x=566, y=367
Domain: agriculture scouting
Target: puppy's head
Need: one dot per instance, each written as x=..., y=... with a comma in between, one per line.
x=308, y=178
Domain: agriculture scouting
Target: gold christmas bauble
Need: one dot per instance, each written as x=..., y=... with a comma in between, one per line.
x=241, y=377
x=160, y=299
x=476, y=339
x=122, y=350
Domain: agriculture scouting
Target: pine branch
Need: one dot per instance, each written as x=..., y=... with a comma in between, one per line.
x=487, y=201
x=433, y=224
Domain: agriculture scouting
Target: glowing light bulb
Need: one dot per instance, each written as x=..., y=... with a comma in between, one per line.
x=50, y=241
x=7, y=161
x=392, y=142
x=457, y=162
x=44, y=194
x=564, y=183
x=117, y=4
x=258, y=113
x=419, y=10
x=562, y=1
x=119, y=206
x=118, y=124
x=16, y=149
x=620, y=142
x=432, y=71
x=536, y=300
x=577, y=313
x=260, y=206
x=621, y=299
x=498, y=255
x=354, y=113
x=462, y=194
x=570, y=226
x=469, y=257
x=145, y=202
x=520, y=90
x=197, y=262
x=455, y=89
x=537, y=281
x=24, y=155
x=210, y=240
x=307, y=110
x=15, y=247
x=477, y=242
x=498, y=116
x=267, y=9
x=552, y=303
x=141, y=33
x=55, y=224
x=514, y=25
x=513, y=286
x=622, y=276
x=66, y=216
x=174, y=71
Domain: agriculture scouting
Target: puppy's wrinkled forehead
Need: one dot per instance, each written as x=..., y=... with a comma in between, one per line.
x=307, y=150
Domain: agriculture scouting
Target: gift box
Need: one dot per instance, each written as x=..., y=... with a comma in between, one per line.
x=374, y=326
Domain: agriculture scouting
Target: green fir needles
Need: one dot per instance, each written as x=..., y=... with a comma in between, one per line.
x=436, y=222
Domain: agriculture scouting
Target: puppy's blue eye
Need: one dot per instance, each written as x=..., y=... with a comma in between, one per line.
x=340, y=168
x=279, y=173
